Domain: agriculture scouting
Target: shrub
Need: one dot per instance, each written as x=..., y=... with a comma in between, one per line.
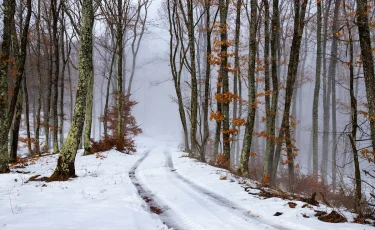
x=130, y=129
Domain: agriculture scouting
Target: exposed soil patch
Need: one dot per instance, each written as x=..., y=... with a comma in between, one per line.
x=333, y=217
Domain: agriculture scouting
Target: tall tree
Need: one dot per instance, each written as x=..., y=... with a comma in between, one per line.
x=269, y=143
x=248, y=136
x=223, y=5
x=65, y=168
x=326, y=97
x=315, y=111
x=120, y=46
x=55, y=6
x=177, y=54
x=236, y=80
x=332, y=69
x=354, y=121
x=368, y=62
x=275, y=43
x=299, y=24
x=39, y=109
x=8, y=10
x=14, y=132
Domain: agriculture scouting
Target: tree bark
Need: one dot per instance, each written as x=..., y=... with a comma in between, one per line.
x=236, y=79
x=56, y=61
x=315, y=115
x=39, y=110
x=299, y=23
x=88, y=116
x=248, y=136
x=65, y=165
x=194, y=83
x=120, y=35
x=368, y=63
x=8, y=10
x=47, y=113
x=332, y=74
x=275, y=41
x=106, y=105
x=27, y=115
x=269, y=142
x=16, y=128
x=326, y=98
x=223, y=5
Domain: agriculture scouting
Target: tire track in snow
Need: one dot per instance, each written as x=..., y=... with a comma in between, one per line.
x=147, y=196
x=216, y=198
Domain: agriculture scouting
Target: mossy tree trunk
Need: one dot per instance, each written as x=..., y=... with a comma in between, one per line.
x=65, y=165
x=89, y=108
x=8, y=10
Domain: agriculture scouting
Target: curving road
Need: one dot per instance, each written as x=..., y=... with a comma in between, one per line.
x=182, y=204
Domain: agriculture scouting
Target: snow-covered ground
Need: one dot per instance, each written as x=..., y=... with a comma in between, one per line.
x=189, y=194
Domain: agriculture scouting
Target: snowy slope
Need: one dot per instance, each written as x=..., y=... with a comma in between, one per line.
x=189, y=194
x=102, y=197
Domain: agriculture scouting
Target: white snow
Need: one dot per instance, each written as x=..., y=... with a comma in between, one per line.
x=190, y=193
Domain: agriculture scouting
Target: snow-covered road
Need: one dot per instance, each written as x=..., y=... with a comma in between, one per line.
x=185, y=205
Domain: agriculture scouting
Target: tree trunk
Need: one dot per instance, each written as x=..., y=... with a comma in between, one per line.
x=315, y=115
x=354, y=119
x=246, y=146
x=275, y=41
x=105, y=116
x=194, y=84
x=39, y=110
x=119, y=68
x=27, y=115
x=269, y=142
x=48, y=102
x=8, y=11
x=332, y=75
x=56, y=61
x=299, y=23
x=236, y=78
x=206, y=132
x=65, y=165
x=223, y=5
x=326, y=98
x=16, y=128
x=368, y=63
x=71, y=93
x=88, y=116
x=62, y=81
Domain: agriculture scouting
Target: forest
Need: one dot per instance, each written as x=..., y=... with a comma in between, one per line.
x=280, y=93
